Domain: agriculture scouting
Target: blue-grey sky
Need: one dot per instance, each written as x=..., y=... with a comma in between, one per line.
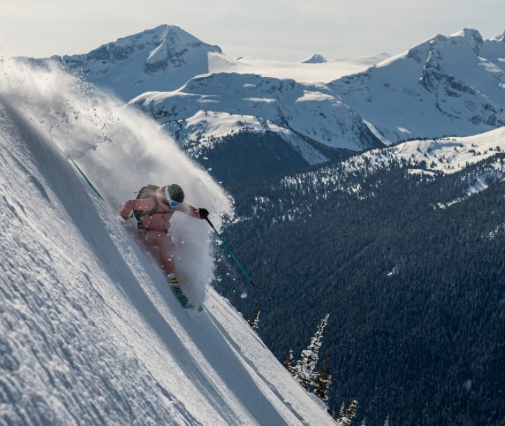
x=288, y=30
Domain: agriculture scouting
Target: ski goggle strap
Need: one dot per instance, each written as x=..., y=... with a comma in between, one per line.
x=170, y=201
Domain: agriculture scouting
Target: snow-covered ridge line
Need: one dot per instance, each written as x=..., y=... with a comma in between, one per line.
x=162, y=58
x=447, y=155
x=444, y=86
x=166, y=57
x=312, y=111
x=205, y=130
x=429, y=158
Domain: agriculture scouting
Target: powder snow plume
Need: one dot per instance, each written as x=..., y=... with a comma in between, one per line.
x=120, y=150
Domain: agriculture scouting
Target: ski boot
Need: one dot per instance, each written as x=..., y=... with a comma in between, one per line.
x=173, y=282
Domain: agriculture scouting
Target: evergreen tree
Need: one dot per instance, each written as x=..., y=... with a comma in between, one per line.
x=352, y=410
x=345, y=417
x=341, y=415
x=253, y=322
x=288, y=359
x=305, y=367
x=322, y=381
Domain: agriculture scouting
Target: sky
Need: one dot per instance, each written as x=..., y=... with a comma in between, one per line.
x=288, y=30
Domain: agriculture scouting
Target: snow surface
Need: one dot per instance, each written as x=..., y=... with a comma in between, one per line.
x=89, y=332
x=309, y=73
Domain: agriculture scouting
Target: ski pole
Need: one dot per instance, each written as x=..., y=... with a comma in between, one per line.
x=85, y=178
x=228, y=248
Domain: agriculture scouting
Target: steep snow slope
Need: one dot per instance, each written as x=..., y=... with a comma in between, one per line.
x=89, y=331
x=444, y=86
x=163, y=58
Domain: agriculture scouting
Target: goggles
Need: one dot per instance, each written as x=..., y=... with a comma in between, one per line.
x=170, y=201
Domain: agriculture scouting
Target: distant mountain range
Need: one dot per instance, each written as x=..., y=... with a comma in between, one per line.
x=163, y=58
x=208, y=110
x=224, y=107
x=445, y=86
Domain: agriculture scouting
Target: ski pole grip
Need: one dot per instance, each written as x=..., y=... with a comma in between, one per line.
x=209, y=222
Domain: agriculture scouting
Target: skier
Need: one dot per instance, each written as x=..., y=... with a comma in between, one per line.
x=153, y=209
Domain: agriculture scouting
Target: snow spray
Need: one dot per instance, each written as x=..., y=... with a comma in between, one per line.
x=120, y=150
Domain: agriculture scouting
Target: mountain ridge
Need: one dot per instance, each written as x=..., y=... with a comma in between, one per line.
x=442, y=87
x=159, y=58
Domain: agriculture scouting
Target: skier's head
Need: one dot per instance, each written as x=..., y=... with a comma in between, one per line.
x=174, y=194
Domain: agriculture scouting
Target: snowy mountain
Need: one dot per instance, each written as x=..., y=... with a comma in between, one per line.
x=207, y=110
x=261, y=133
x=163, y=58
x=444, y=86
x=311, y=111
x=89, y=331
x=166, y=57
x=314, y=59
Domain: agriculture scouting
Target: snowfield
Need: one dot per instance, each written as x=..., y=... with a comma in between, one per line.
x=89, y=331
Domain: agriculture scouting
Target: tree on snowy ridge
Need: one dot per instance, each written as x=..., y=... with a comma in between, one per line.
x=305, y=367
x=345, y=417
x=253, y=322
x=288, y=359
x=322, y=380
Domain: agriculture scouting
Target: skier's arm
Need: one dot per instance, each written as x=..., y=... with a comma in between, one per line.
x=140, y=204
x=189, y=210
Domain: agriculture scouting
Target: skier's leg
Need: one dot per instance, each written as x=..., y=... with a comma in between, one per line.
x=167, y=247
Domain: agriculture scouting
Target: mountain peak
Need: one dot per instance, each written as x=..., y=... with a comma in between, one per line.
x=315, y=59
x=165, y=42
x=161, y=58
x=501, y=37
x=472, y=37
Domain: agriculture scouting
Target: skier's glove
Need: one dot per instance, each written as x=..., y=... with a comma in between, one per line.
x=204, y=213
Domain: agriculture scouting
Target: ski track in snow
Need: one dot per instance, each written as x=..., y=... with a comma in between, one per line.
x=89, y=331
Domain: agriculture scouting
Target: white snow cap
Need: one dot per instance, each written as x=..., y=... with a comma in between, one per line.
x=501, y=37
x=315, y=59
x=472, y=37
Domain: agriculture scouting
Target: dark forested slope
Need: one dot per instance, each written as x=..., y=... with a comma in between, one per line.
x=411, y=270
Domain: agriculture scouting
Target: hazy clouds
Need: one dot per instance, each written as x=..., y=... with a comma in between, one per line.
x=273, y=29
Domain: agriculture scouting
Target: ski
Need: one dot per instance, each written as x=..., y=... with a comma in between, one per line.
x=182, y=298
